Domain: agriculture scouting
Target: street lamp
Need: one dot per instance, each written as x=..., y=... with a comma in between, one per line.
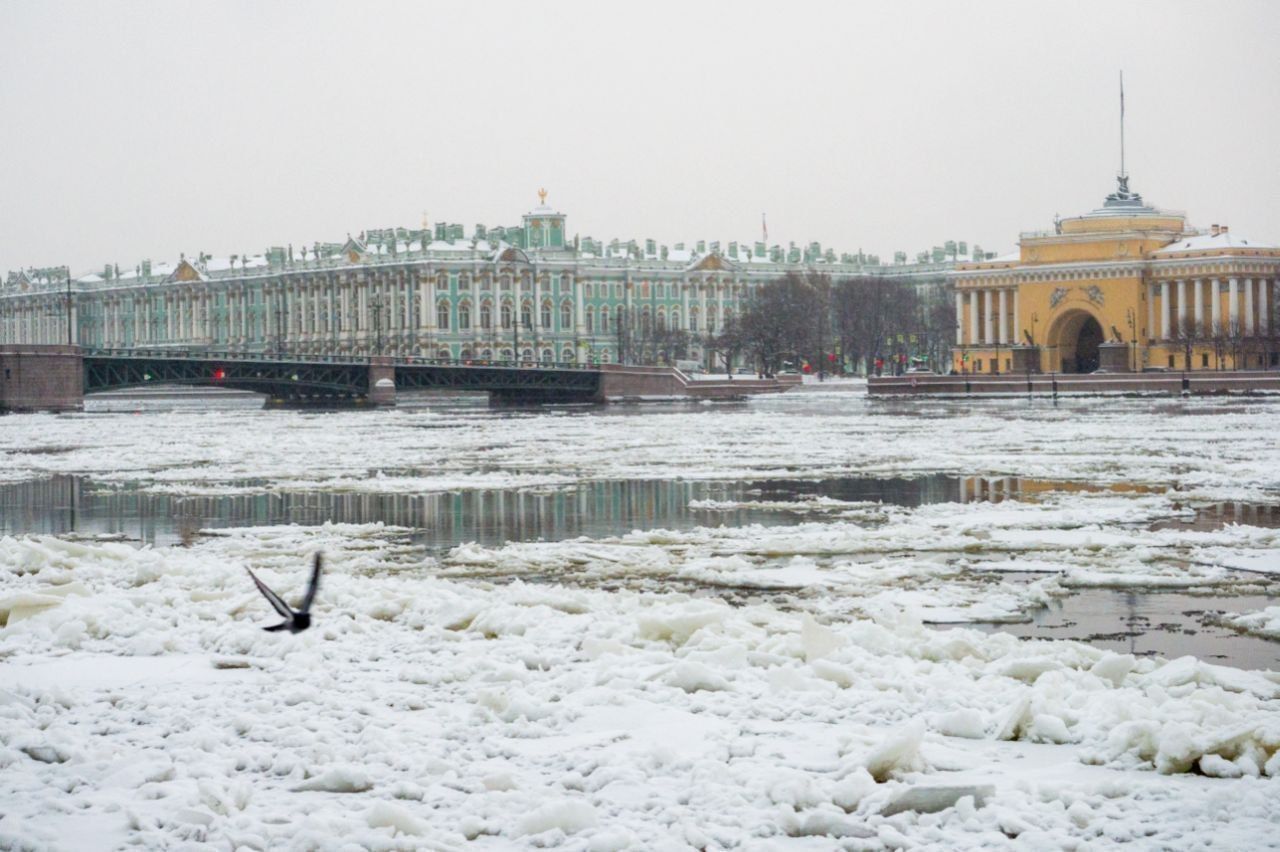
x=1133, y=334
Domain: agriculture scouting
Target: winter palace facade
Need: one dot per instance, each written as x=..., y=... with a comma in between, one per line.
x=524, y=292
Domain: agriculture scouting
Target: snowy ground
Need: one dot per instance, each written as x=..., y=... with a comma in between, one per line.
x=721, y=687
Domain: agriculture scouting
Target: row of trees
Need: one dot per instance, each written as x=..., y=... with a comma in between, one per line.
x=1230, y=345
x=838, y=326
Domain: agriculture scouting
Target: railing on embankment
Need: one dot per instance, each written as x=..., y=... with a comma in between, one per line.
x=618, y=382
x=1077, y=384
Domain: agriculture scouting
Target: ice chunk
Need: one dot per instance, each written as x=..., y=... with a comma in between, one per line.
x=931, y=799
x=965, y=722
x=568, y=815
x=692, y=676
x=818, y=641
x=389, y=815
x=898, y=753
x=339, y=779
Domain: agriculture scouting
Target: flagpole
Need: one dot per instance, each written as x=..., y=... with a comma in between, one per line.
x=1122, y=173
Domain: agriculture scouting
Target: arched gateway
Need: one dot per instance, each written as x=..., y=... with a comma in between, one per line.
x=1074, y=340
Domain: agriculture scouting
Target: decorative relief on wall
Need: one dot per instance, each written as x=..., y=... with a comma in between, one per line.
x=1056, y=297
x=1094, y=293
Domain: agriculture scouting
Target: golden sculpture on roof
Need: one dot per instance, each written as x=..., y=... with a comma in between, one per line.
x=542, y=196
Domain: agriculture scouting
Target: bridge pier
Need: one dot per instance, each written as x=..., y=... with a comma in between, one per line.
x=382, y=381
x=41, y=378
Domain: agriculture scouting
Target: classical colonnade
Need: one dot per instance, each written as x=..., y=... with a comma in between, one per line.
x=990, y=316
x=1193, y=307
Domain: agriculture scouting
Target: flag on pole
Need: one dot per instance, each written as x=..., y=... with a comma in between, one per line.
x=764, y=227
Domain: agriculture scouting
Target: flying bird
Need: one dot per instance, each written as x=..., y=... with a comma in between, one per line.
x=294, y=622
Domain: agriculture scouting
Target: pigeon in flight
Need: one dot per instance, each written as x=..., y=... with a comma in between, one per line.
x=294, y=622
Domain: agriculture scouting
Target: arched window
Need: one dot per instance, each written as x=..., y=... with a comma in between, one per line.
x=546, y=315
x=590, y=320
x=693, y=319
x=526, y=315
x=662, y=320
x=621, y=317
x=444, y=353
x=711, y=320
x=604, y=320
x=566, y=356
x=506, y=315
x=464, y=316
x=508, y=355
x=442, y=315
x=548, y=356
x=487, y=354
x=486, y=316
x=675, y=319
x=526, y=355
x=465, y=354
x=566, y=316
x=645, y=321
x=526, y=284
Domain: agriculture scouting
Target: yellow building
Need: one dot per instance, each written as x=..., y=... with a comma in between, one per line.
x=1126, y=287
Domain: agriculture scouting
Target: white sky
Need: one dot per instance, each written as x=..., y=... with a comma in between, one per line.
x=137, y=129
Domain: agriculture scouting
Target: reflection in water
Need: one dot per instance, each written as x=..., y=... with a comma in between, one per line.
x=68, y=504
x=1141, y=622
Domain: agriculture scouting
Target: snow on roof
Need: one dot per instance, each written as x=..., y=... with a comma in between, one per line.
x=1011, y=257
x=1214, y=242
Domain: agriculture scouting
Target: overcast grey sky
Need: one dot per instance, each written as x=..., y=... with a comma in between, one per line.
x=143, y=129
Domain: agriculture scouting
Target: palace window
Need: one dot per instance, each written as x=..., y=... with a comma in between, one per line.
x=506, y=283
x=526, y=315
x=506, y=315
x=604, y=320
x=486, y=316
x=548, y=356
x=546, y=315
x=693, y=319
x=566, y=316
x=590, y=320
x=442, y=316
x=464, y=316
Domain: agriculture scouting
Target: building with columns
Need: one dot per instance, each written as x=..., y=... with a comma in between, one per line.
x=1126, y=287
x=526, y=292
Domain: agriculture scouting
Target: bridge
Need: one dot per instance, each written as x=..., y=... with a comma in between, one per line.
x=57, y=378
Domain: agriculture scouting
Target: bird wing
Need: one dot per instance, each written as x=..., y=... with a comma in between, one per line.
x=272, y=598
x=314, y=586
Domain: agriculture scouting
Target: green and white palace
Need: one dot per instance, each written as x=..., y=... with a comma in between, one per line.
x=503, y=293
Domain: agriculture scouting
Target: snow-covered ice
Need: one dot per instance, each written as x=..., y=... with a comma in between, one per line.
x=756, y=687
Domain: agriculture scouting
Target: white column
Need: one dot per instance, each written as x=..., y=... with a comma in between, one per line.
x=1182, y=306
x=1003, y=323
x=959, y=318
x=1215, y=304
x=973, y=317
x=1248, y=306
x=1264, y=312
x=1164, y=310
x=988, y=318
x=1233, y=304
x=1151, y=311
x=579, y=316
x=1198, y=314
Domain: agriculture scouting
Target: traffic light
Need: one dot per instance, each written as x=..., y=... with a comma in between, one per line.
x=219, y=374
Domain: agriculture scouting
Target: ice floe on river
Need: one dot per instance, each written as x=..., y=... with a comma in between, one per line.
x=435, y=712
x=1211, y=449
x=754, y=687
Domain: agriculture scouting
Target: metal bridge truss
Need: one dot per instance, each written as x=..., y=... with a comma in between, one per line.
x=278, y=379
x=333, y=377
